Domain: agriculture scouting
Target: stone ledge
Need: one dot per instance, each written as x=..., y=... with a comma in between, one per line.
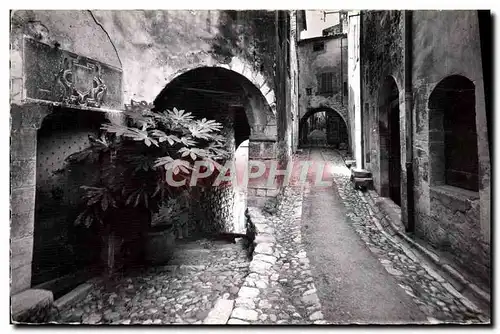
x=261, y=263
x=388, y=208
x=73, y=296
x=455, y=193
x=360, y=173
x=31, y=306
x=362, y=183
x=433, y=257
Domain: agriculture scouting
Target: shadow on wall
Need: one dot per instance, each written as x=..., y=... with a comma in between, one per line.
x=248, y=34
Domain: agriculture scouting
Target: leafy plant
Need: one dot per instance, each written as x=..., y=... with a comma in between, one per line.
x=172, y=213
x=271, y=206
x=135, y=158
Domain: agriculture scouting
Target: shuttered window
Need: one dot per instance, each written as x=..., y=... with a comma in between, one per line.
x=325, y=83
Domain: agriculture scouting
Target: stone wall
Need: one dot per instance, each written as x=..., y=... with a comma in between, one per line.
x=24, y=125
x=382, y=56
x=450, y=217
x=312, y=63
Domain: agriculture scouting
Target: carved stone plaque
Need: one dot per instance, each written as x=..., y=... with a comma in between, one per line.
x=55, y=75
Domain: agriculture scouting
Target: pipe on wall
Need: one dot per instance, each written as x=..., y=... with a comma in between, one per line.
x=410, y=203
x=341, y=73
x=361, y=107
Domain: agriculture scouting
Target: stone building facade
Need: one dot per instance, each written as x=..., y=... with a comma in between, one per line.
x=425, y=124
x=323, y=80
x=240, y=60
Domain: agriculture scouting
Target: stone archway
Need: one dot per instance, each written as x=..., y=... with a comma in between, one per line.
x=335, y=128
x=390, y=140
x=243, y=68
x=235, y=101
x=453, y=143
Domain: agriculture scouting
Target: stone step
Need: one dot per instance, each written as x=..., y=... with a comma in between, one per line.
x=350, y=163
x=363, y=183
x=31, y=306
x=360, y=173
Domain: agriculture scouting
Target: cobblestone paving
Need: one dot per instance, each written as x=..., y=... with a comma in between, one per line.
x=280, y=287
x=295, y=274
x=434, y=296
x=165, y=295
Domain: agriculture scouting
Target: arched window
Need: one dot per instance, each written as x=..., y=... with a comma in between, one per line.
x=453, y=135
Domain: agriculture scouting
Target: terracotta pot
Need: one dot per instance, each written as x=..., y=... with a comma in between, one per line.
x=159, y=245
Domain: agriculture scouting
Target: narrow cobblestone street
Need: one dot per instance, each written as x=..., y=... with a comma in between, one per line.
x=320, y=259
x=435, y=297
x=353, y=285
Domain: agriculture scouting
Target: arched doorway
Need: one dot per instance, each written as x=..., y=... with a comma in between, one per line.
x=240, y=191
x=453, y=134
x=231, y=99
x=60, y=248
x=323, y=127
x=390, y=141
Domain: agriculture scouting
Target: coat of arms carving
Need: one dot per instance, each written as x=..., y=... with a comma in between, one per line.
x=81, y=82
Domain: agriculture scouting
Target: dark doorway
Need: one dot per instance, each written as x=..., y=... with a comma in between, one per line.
x=394, y=154
x=323, y=127
x=390, y=141
x=61, y=248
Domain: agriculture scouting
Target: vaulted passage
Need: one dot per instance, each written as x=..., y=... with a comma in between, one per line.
x=231, y=99
x=390, y=141
x=323, y=127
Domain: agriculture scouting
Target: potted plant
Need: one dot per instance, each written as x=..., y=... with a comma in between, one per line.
x=165, y=228
x=134, y=160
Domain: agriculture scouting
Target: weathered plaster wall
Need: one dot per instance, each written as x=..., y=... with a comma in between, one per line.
x=311, y=63
x=294, y=82
x=382, y=56
x=152, y=48
x=354, y=82
x=156, y=46
x=457, y=219
x=71, y=30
